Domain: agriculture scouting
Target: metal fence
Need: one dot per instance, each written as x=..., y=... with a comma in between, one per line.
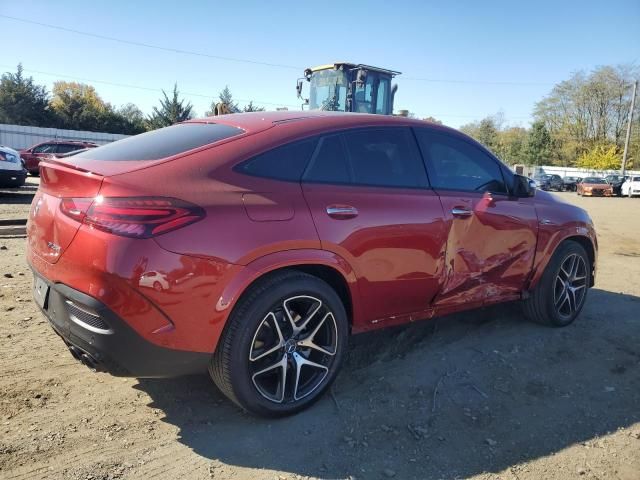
x=19, y=137
x=531, y=171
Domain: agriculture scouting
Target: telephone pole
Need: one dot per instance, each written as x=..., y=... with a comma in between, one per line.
x=626, y=142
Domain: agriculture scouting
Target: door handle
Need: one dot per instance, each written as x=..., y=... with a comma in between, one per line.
x=461, y=212
x=342, y=212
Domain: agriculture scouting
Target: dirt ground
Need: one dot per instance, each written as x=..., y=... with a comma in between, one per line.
x=479, y=395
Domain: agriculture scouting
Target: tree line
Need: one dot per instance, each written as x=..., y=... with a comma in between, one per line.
x=581, y=122
x=77, y=106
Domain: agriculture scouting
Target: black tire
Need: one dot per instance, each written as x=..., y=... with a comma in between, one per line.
x=540, y=306
x=231, y=366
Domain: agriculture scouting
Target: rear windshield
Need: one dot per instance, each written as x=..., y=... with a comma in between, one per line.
x=163, y=142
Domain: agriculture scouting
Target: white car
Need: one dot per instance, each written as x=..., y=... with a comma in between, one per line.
x=12, y=171
x=631, y=186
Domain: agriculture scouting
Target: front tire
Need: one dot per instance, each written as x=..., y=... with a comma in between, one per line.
x=283, y=345
x=562, y=291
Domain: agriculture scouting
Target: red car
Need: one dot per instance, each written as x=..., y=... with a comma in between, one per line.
x=276, y=235
x=42, y=151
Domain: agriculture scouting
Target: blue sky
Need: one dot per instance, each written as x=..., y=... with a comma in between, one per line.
x=461, y=47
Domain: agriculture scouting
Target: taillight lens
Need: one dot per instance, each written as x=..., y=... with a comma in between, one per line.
x=137, y=217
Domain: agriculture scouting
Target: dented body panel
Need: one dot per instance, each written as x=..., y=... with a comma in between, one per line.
x=397, y=255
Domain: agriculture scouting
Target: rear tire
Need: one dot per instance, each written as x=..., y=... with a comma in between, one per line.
x=562, y=291
x=273, y=363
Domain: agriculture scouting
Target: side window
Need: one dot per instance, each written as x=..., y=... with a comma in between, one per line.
x=455, y=164
x=329, y=164
x=65, y=147
x=45, y=148
x=282, y=163
x=381, y=102
x=386, y=157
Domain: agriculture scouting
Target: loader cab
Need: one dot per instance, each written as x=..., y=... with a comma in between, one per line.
x=348, y=87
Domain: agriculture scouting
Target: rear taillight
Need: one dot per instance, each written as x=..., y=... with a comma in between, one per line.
x=137, y=217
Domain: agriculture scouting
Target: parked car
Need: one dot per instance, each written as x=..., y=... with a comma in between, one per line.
x=570, y=183
x=290, y=232
x=631, y=186
x=34, y=155
x=594, y=187
x=616, y=182
x=12, y=171
x=549, y=182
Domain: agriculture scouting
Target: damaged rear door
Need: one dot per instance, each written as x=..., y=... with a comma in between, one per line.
x=492, y=235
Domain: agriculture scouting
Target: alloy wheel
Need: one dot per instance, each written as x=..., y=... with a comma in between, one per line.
x=570, y=285
x=293, y=349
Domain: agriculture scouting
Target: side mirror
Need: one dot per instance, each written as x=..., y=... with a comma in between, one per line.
x=523, y=187
x=299, y=87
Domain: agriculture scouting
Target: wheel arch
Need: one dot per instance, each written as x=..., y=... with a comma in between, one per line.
x=585, y=240
x=327, y=266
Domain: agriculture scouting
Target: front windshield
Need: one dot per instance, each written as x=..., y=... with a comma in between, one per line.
x=594, y=180
x=328, y=90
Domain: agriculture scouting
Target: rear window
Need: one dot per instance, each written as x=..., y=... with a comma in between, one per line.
x=163, y=142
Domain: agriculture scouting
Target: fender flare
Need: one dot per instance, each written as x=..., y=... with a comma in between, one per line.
x=283, y=259
x=547, y=247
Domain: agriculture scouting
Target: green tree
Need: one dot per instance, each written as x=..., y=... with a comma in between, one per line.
x=485, y=131
x=133, y=118
x=512, y=143
x=172, y=110
x=226, y=98
x=22, y=102
x=539, y=146
x=250, y=107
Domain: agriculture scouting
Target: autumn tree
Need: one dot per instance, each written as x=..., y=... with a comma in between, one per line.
x=601, y=157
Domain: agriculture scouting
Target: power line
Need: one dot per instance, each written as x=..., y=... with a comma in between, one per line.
x=478, y=82
x=250, y=61
x=202, y=95
x=149, y=89
x=149, y=45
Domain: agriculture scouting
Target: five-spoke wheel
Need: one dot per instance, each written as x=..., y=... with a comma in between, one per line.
x=283, y=344
x=293, y=349
x=561, y=292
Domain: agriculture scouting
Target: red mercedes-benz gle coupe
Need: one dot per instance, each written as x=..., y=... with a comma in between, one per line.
x=254, y=244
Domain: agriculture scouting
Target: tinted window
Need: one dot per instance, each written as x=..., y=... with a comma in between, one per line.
x=46, y=148
x=66, y=147
x=162, y=143
x=455, y=164
x=329, y=164
x=386, y=157
x=282, y=163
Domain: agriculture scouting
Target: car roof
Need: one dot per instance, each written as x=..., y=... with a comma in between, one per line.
x=9, y=150
x=253, y=122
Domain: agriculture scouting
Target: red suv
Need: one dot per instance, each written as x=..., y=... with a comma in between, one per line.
x=254, y=244
x=41, y=151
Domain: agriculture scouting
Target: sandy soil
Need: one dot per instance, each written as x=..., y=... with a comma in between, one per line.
x=479, y=395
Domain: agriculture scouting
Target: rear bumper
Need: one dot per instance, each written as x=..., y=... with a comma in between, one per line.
x=103, y=341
